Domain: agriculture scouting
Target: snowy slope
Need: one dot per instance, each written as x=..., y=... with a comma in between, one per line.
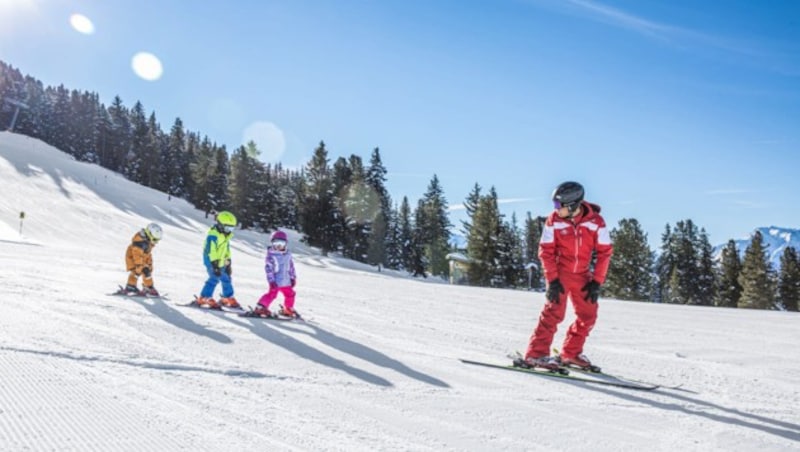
x=377, y=370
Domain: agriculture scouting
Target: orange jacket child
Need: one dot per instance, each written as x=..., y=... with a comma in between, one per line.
x=139, y=260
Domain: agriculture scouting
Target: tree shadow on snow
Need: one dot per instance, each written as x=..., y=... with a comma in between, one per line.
x=173, y=317
x=683, y=404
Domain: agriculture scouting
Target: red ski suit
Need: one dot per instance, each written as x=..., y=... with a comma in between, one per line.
x=566, y=250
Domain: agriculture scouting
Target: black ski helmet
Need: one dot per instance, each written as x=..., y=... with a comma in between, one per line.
x=568, y=194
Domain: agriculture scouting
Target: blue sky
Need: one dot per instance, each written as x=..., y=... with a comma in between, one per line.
x=663, y=110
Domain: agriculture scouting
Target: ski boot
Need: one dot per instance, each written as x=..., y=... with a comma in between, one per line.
x=287, y=312
x=261, y=311
x=580, y=361
x=206, y=302
x=229, y=302
x=130, y=289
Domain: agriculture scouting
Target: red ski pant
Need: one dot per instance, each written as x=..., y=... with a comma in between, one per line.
x=288, y=296
x=553, y=314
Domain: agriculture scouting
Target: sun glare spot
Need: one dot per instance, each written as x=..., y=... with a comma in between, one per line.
x=81, y=24
x=16, y=15
x=268, y=138
x=147, y=66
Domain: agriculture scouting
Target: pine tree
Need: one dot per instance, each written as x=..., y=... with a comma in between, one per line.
x=59, y=126
x=120, y=140
x=434, y=228
x=406, y=235
x=510, y=269
x=82, y=120
x=729, y=291
x=218, y=192
x=471, y=205
x=173, y=160
x=419, y=242
x=204, y=173
x=789, y=279
x=394, y=244
x=630, y=274
x=342, y=179
x=133, y=168
x=267, y=213
x=381, y=228
x=482, y=242
x=755, y=278
x=378, y=241
x=152, y=153
x=686, y=258
x=318, y=214
x=664, y=267
x=103, y=136
x=533, y=235
x=706, y=271
x=242, y=179
x=192, y=148
x=359, y=203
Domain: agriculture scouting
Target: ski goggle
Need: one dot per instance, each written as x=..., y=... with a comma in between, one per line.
x=228, y=229
x=279, y=244
x=557, y=205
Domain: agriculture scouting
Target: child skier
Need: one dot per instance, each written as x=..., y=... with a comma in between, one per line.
x=217, y=259
x=281, y=276
x=139, y=260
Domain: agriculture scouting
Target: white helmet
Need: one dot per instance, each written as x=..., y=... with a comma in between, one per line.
x=153, y=232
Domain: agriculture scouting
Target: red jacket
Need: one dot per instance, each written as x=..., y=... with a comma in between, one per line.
x=567, y=244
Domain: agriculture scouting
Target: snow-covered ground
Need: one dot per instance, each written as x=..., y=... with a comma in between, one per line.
x=377, y=369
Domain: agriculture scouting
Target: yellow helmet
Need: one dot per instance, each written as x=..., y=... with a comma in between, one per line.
x=226, y=220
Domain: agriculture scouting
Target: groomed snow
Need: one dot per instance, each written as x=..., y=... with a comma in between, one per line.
x=377, y=369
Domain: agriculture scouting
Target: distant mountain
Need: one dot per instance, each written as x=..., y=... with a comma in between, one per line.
x=776, y=239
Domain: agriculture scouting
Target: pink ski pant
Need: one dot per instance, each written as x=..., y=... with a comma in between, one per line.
x=288, y=295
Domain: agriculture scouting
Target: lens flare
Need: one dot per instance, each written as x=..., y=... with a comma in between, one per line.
x=269, y=140
x=147, y=66
x=81, y=24
x=360, y=203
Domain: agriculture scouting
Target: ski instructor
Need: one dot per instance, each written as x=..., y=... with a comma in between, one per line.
x=572, y=233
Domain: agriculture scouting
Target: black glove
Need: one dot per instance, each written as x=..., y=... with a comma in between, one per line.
x=146, y=272
x=592, y=289
x=215, y=266
x=554, y=290
x=228, y=269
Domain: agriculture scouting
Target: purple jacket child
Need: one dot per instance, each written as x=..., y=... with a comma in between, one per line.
x=281, y=276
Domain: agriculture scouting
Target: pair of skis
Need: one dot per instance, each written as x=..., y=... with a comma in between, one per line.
x=241, y=312
x=589, y=376
x=121, y=292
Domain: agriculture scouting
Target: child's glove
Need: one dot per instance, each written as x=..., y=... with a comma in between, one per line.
x=146, y=272
x=228, y=269
x=273, y=285
x=294, y=282
x=215, y=266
